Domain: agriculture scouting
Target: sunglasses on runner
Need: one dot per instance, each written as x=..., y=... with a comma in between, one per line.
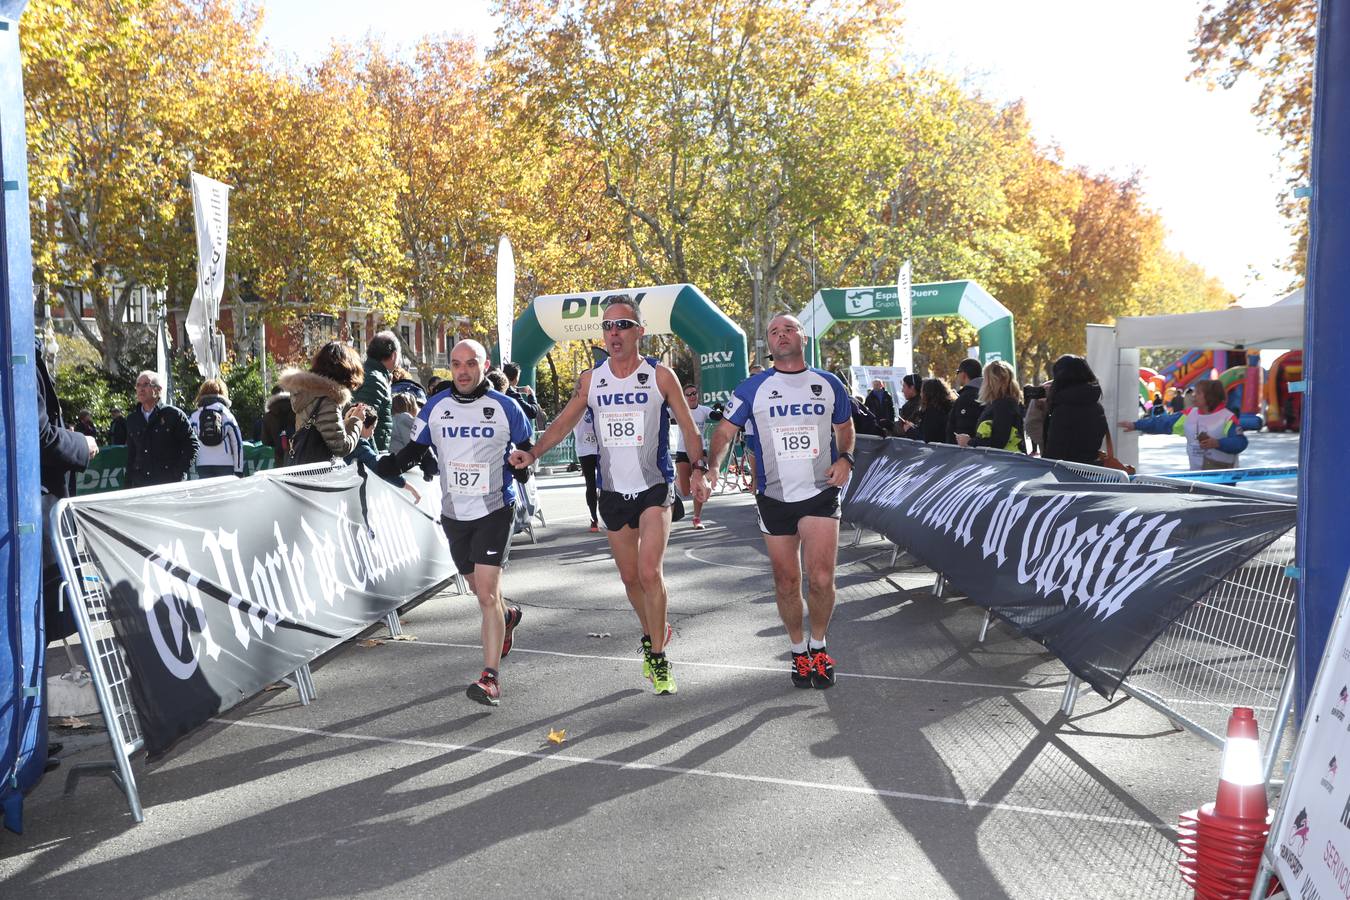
x=618, y=324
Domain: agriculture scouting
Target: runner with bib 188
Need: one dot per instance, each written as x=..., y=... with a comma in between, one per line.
x=803, y=445
x=631, y=397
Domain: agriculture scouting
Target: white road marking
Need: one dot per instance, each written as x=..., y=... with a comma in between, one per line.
x=703, y=773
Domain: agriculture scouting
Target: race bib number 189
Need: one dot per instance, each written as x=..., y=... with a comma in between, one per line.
x=796, y=442
x=621, y=429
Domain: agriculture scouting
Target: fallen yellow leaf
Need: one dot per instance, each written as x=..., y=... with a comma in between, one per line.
x=557, y=737
x=405, y=637
x=369, y=642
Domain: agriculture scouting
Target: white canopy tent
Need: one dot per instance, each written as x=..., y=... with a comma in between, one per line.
x=1113, y=350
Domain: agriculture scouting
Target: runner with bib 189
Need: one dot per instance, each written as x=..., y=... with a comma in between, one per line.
x=631, y=398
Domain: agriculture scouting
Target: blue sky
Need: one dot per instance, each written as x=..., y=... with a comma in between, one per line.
x=1107, y=86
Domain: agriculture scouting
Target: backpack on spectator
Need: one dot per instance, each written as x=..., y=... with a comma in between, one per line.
x=308, y=445
x=210, y=426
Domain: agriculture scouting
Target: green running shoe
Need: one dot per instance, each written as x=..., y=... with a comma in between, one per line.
x=647, y=651
x=662, y=679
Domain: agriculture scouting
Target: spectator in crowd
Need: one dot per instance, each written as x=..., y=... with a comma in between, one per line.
x=365, y=456
x=1035, y=400
x=882, y=405
x=1075, y=422
x=935, y=408
x=1000, y=424
x=278, y=424
x=117, y=428
x=756, y=368
x=434, y=385
x=323, y=396
x=966, y=408
x=160, y=442
x=1214, y=437
x=907, y=425
x=403, y=382
x=220, y=445
x=522, y=395
x=864, y=420
x=84, y=424
x=1177, y=402
x=61, y=453
x=374, y=391
x=405, y=415
x=1158, y=407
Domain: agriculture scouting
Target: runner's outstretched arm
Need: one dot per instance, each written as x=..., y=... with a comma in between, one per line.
x=560, y=427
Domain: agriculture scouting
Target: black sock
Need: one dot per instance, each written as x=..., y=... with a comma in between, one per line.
x=491, y=673
x=661, y=655
x=647, y=640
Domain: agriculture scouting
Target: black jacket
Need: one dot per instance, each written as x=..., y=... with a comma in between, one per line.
x=932, y=425
x=1075, y=423
x=882, y=406
x=62, y=452
x=374, y=392
x=278, y=425
x=161, y=450
x=1004, y=432
x=526, y=402
x=966, y=411
x=117, y=431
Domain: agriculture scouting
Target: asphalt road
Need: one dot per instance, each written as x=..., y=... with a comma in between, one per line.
x=938, y=766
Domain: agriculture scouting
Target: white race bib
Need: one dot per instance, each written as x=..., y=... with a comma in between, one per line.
x=621, y=428
x=468, y=478
x=796, y=442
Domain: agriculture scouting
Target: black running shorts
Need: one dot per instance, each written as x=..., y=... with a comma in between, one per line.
x=779, y=518
x=621, y=511
x=483, y=541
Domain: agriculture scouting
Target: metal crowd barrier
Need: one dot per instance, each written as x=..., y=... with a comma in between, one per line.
x=83, y=585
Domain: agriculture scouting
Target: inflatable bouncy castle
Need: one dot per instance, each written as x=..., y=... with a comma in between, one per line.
x=1284, y=408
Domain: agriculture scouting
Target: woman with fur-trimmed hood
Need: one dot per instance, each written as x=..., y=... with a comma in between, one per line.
x=324, y=394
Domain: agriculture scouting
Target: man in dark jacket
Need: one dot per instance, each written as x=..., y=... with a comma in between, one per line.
x=62, y=453
x=524, y=397
x=966, y=411
x=278, y=425
x=117, y=428
x=381, y=359
x=160, y=442
x=882, y=405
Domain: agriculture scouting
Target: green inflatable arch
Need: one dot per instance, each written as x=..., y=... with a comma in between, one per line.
x=679, y=309
x=940, y=298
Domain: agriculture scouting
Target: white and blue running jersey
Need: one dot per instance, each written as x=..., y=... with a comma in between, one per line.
x=793, y=414
x=630, y=416
x=473, y=439
x=583, y=436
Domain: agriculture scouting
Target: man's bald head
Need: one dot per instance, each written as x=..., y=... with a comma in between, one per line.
x=469, y=347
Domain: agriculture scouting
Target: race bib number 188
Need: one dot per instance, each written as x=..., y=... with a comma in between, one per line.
x=622, y=429
x=796, y=442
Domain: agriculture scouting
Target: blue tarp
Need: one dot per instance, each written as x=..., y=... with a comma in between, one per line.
x=23, y=732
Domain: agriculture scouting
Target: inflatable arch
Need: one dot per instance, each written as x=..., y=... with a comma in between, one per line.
x=679, y=309
x=966, y=299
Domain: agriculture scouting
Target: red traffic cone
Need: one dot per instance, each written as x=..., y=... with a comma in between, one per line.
x=1242, y=783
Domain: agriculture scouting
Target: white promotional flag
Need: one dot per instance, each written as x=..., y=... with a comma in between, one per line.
x=506, y=296
x=855, y=351
x=211, y=213
x=904, y=345
x=162, y=359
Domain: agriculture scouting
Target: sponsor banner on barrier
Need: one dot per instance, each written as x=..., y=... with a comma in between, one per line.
x=1310, y=838
x=106, y=471
x=217, y=591
x=1093, y=571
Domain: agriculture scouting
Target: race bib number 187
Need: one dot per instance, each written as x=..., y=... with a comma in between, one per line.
x=468, y=477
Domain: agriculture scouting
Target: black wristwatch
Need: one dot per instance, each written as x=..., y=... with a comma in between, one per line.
x=701, y=465
x=844, y=454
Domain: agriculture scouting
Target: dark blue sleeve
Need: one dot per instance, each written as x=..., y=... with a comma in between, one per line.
x=421, y=429
x=521, y=432
x=843, y=403
x=742, y=402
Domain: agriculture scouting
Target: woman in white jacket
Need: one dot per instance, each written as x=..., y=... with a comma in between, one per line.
x=221, y=450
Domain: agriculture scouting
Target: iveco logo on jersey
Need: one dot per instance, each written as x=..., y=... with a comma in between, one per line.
x=576, y=307
x=797, y=409
x=468, y=431
x=622, y=399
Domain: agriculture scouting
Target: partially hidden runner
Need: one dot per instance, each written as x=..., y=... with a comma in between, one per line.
x=683, y=467
x=473, y=430
x=803, y=443
x=631, y=398
x=583, y=438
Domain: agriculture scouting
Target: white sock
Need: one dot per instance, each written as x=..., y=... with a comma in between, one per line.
x=799, y=647
x=817, y=645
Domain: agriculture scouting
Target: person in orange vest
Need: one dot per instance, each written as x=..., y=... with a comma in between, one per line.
x=1213, y=435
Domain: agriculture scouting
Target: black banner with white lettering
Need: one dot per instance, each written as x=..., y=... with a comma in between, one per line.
x=1094, y=571
x=217, y=589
